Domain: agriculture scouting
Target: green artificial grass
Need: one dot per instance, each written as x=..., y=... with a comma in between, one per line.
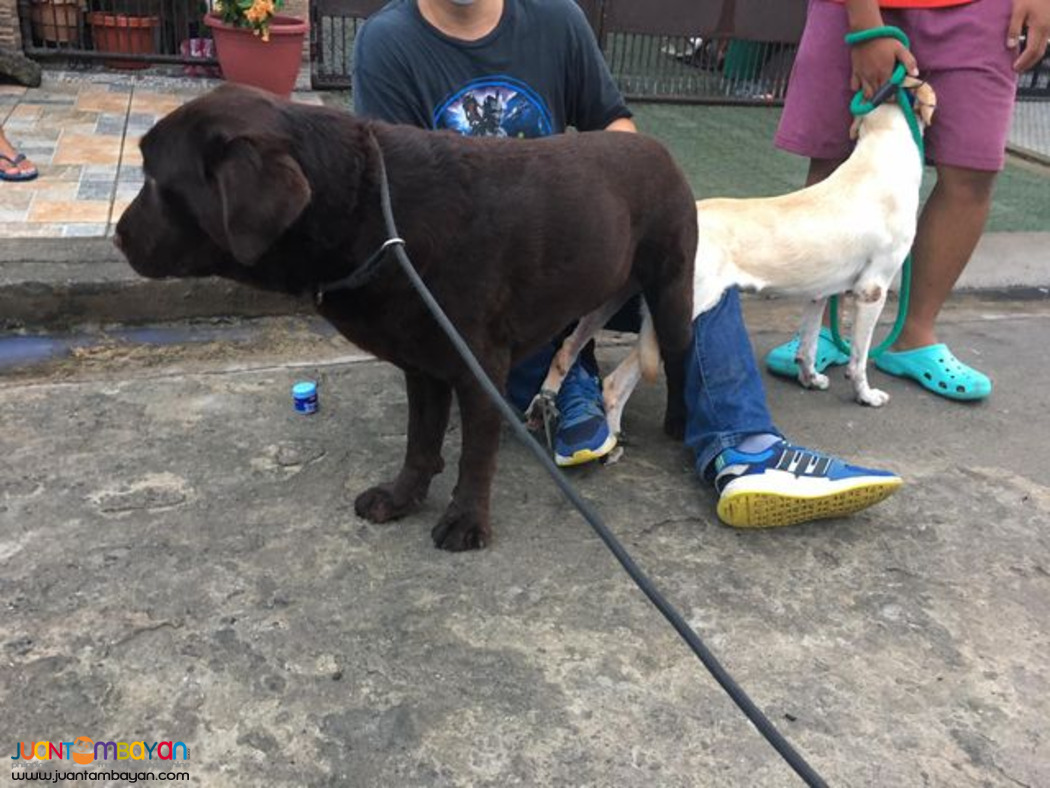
x=728, y=152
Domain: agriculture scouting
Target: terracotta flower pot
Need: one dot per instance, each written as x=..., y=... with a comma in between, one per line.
x=245, y=58
x=55, y=21
x=132, y=35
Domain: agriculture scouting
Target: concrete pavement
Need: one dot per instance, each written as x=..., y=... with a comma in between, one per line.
x=179, y=560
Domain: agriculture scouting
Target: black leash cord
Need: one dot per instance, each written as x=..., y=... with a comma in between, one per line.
x=746, y=705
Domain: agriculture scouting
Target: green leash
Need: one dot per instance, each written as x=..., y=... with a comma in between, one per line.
x=861, y=106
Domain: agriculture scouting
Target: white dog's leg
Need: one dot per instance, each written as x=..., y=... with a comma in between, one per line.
x=871, y=298
x=809, y=334
x=618, y=387
x=584, y=332
x=570, y=349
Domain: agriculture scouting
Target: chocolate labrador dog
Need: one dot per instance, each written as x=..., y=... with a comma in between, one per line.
x=515, y=238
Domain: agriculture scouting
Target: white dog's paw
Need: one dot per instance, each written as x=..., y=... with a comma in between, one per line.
x=873, y=397
x=541, y=409
x=816, y=380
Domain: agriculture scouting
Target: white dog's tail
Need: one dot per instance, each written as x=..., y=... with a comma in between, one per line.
x=648, y=347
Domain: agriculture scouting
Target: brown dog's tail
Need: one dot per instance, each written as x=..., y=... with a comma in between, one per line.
x=648, y=348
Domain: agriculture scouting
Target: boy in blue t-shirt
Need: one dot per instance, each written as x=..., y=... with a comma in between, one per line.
x=528, y=68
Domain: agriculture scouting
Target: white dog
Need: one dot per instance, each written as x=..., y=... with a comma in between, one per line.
x=848, y=233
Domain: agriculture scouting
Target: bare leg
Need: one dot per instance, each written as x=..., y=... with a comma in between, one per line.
x=8, y=152
x=809, y=332
x=950, y=226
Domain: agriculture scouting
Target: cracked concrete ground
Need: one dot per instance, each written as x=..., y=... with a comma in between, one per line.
x=179, y=559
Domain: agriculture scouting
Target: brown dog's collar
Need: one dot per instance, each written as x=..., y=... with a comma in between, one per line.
x=370, y=270
x=363, y=275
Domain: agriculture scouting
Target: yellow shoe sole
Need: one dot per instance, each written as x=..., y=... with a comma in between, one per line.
x=754, y=509
x=583, y=456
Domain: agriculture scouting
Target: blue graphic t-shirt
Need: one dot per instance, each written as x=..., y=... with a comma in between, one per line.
x=538, y=72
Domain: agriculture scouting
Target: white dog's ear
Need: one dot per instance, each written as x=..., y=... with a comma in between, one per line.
x=854, y=127
x=925, y=102
x=925, y=98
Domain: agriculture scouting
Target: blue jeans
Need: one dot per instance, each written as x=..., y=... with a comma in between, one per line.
x=724, y=398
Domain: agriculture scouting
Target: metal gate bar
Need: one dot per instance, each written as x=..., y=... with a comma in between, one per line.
x=125, y=33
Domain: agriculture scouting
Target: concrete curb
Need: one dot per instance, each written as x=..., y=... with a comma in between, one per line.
x=60, y=282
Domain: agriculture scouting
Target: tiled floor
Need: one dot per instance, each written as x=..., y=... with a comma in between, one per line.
x=82, y=133
x=82, y=128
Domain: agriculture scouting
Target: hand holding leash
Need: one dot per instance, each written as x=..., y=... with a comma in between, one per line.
x=874, y=61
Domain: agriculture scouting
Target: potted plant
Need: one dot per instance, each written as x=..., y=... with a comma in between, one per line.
x=127, y=26
x=55, y=21
x=256, y=45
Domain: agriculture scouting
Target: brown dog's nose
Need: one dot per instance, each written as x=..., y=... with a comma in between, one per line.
x=117, y=242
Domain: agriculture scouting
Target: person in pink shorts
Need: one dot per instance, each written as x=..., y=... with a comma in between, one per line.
x=970, y=52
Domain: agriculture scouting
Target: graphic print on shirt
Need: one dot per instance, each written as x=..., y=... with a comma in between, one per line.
x=495, y=107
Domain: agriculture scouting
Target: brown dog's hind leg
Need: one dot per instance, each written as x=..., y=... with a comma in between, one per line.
x=429, y=404
x=670, y=303
x=465, y=524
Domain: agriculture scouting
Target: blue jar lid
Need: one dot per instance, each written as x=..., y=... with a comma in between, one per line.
x=304, y=389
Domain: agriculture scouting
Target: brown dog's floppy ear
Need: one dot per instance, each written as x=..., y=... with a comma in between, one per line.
x=262, y=194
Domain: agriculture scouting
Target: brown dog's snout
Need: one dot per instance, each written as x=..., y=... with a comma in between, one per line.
x=118, y=242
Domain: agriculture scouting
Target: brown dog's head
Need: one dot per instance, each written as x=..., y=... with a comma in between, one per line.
x=221, y=187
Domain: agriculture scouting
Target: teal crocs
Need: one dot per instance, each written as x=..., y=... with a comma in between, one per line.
x=781, y=359
x=938, y=370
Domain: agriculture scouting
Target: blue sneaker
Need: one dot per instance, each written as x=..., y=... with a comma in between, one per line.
x=583, y=432
x=786, y=484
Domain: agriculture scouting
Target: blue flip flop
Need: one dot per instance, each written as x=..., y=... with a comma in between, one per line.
x=781, y=359
x=23, y=175
x=938, y=370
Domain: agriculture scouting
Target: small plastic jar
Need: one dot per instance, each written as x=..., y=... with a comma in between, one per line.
x=304, y=395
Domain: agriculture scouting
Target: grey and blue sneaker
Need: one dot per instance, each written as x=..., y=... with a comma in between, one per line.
x=786, y=484
x=583, y=432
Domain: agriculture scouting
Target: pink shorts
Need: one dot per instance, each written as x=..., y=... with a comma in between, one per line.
x=961, y=51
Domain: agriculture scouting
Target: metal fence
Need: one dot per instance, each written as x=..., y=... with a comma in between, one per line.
x=710, y=51
x=333, y=30
x=724, y=51
x=1036, y=83
x=122, y=33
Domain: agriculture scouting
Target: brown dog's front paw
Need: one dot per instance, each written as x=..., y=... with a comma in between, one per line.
x=458, y=530
x=379, y=505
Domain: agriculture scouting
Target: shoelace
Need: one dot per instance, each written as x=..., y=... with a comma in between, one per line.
x=580, y=399
x=802, y=462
